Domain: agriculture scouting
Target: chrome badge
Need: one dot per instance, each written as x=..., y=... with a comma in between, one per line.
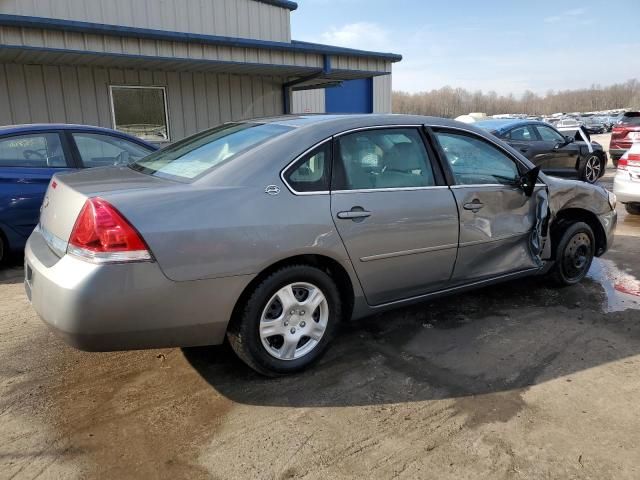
x=272, y=190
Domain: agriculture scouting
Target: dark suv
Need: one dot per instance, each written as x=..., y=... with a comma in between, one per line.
x=546, y=147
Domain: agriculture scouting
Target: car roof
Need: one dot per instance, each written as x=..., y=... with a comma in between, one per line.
x=501, y=125
x=44, y=127
x=355, y=120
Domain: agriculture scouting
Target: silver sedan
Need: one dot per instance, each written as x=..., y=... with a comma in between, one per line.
x=272, y=231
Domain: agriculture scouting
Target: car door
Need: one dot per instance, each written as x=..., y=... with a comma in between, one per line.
x=524, y=139
x=496, y=216
x=102, y=150
x=27, y=163
x=563, y=155
x=397, y=218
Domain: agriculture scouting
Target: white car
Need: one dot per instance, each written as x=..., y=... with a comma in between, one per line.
x=626, y=184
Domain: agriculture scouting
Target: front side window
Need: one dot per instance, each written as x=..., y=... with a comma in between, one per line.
x=382, y=158
x=141, y=112
x=311, y=172
x=98, y=150
x=476, y=162
x=35, y=150
x=196, y=155
x=522, y=134
x=549, y=134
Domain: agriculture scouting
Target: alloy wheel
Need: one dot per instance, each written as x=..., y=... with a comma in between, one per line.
x=294, y=321
x=592, y=169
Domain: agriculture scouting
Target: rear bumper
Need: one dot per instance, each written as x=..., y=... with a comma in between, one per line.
x=125, y=306
x=626, y=189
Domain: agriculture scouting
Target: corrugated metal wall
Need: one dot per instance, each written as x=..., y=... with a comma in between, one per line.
x=308, y=101
x=69, y=94
x=382, y=94
x=232, y=18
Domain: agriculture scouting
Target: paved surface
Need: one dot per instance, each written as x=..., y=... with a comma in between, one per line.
x=514, y=381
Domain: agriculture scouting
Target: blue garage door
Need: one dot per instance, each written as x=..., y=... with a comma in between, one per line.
x=354, y=96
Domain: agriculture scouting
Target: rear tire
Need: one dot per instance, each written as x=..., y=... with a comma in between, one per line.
x=574, y=254
x=633, y=208
x=286, y=323
x=4, y=250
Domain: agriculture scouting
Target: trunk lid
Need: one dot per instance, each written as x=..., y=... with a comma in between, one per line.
x=67, y=194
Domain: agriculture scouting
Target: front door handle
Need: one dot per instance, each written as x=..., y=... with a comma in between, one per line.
x=355, y=214
x=473, y=206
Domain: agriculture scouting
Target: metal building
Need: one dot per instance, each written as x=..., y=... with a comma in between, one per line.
x=165, y=69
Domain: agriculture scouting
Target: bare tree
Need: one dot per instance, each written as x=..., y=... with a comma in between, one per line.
x=450, y=102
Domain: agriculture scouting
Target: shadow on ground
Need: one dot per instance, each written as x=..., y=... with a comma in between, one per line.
x=502, y=338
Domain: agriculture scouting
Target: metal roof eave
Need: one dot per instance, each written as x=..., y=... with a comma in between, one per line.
x=148, y=33
x=280, y=3
x=57, y=56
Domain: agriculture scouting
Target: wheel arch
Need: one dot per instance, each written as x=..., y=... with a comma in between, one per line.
x=571, y=215
x=327, y=264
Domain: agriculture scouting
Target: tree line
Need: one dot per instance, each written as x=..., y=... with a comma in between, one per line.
x=451, y=102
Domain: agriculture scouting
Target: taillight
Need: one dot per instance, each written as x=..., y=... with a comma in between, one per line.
x=102, y=235
x=629, y=160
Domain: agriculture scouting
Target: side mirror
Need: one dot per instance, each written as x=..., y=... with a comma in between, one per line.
x=528, y=181
x=568, y=139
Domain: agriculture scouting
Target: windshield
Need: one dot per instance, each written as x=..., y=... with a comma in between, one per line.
x=200, y=153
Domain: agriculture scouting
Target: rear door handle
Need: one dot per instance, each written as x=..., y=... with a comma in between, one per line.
x=473, y=206
x=354, y=214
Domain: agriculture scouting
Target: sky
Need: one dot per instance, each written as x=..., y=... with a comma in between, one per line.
x=507, y=46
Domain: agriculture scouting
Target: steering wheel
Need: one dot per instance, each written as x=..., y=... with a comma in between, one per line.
x=40, y=153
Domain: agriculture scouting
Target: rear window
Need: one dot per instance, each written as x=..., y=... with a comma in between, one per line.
x=631, y=118
x=194, y=156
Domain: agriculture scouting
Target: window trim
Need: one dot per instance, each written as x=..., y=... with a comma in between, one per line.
x=298, y=158
x=153, y=87
x=68, y=159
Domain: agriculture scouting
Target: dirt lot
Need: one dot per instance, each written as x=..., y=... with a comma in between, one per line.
x=514, y=381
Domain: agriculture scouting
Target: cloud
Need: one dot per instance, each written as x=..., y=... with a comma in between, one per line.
x=575, y=12
x=363, y=35
x=553, y=19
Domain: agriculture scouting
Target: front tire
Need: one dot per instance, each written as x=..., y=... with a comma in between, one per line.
x=592, y=169
x=287, y=321
x=633, y=208
x=574, y=254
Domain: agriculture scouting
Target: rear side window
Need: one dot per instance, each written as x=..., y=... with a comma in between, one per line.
x=382, y=158
x=42, y=150
x=98, y=150
x=311, y=172
x=476, y=162
x=196, y=155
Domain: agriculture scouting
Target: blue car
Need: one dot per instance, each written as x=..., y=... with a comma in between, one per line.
x=31, y=154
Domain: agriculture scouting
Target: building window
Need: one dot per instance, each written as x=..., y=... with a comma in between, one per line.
x=140, y=111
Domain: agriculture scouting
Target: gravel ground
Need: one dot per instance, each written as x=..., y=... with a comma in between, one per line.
x=513, y=381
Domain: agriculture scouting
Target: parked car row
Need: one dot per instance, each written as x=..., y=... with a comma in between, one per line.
x=31, y=154
x=271, y=232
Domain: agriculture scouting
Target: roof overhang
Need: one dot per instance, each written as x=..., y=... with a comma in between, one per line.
x=53, y=56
